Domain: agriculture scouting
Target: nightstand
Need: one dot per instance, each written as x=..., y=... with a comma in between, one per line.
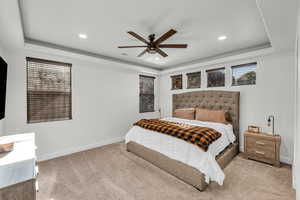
x=263, y=147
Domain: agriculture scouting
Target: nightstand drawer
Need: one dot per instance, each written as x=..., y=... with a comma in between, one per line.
x=261, y=152
x=260, y=143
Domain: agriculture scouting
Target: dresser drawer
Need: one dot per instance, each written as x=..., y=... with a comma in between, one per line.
x=260, y=143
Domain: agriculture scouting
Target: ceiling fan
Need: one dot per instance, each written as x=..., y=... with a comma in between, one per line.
x=154, y=46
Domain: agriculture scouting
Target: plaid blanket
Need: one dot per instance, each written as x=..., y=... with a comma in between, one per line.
x=200, y=136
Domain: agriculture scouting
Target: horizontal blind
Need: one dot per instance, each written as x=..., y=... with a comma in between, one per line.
x=176, y=82
x=216, y=77
x=193, y=80
x=49, y=93
x=216, y=69
x=146, y=93
x=244, y=65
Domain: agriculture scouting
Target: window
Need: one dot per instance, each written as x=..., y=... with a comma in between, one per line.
x=244, y=74
x=176, y=82
x=193, y=80
x=216, y=77
x=49, y=94
x=146, y=94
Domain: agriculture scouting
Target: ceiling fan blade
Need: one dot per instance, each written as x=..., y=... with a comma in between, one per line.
x=161, y=52
x=165, y=36
x=142, y=53
x=138, y=37
x=172, y=46
x=131, y=46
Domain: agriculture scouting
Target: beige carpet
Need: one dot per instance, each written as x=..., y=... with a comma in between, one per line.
x=111, y=173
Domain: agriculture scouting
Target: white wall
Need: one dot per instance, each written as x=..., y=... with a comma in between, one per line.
x=272, y=95
x=105, y=104
x=296, y=164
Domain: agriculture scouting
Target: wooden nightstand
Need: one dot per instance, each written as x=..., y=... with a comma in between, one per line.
x=262, y=147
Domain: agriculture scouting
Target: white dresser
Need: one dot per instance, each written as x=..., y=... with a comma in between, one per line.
x=18, y=169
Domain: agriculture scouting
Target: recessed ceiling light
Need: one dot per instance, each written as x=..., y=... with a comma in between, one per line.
x=82, y=36
x=156, y=58
x=222, y=37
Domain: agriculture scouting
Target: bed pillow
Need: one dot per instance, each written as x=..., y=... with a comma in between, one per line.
x=218, y=116
x=187, y=113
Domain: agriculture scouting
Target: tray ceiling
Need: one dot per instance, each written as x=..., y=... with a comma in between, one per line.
x=105, y=23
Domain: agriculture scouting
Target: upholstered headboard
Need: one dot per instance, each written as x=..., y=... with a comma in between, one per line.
x=210, y=99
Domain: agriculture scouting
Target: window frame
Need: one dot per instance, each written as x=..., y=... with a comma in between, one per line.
x=50, y=62
x=140, y=94
x=215, y=69
x=240, y=66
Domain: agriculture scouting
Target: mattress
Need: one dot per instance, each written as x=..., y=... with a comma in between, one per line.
x=187, y=153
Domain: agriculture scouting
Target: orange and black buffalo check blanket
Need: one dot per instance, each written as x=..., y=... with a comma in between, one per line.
x=200, y=136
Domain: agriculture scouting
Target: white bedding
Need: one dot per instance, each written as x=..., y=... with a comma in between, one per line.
x=187, y=153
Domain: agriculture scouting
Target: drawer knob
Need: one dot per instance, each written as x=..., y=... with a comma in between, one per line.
x=259, y=152
x=260, y=143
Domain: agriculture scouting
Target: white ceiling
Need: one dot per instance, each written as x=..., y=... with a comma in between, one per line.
x=199, y=23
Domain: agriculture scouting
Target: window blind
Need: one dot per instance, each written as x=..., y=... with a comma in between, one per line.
x=146, y=93
x=176, y=82
x=216, y=77
x=49, y=91
x=193, y=80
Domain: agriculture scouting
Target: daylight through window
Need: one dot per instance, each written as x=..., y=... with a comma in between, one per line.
x=244, y=74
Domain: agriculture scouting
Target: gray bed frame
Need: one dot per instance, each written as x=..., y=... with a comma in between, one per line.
x=209, y=99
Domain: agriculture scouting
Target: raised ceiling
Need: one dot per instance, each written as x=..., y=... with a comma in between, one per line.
x=199, y=24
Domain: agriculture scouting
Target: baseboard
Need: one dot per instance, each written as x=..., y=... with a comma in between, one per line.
x=78, y=149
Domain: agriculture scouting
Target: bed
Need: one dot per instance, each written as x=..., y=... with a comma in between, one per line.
x=188, y=169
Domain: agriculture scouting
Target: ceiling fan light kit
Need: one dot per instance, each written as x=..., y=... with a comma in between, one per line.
x=154, y=46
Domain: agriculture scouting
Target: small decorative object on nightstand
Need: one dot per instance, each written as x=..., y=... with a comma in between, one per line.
x=254, y=129
x=263, y=147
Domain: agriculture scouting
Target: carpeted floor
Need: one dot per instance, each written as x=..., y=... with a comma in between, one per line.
x=110, y=173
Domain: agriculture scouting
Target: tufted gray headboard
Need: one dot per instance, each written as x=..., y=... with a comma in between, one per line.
x=211, y=99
